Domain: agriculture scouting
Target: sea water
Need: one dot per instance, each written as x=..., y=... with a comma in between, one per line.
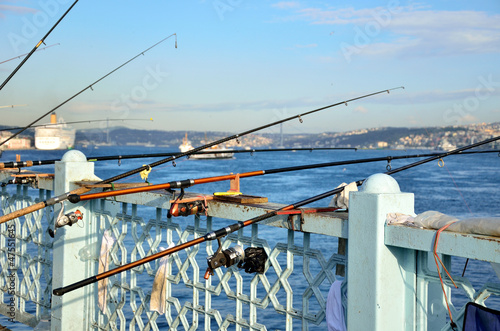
x=461, y=186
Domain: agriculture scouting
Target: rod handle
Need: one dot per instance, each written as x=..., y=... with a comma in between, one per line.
x=65, y=289
x=22, y=212
x=40, y=205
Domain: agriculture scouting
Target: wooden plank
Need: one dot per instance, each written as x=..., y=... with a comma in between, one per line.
x=241, y=198
x=115, y=185
x=25, y=175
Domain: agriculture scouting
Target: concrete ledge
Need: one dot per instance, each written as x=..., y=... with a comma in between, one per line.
x=331, y=224
x=471, y=246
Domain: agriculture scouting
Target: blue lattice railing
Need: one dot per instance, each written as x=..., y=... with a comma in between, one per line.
x=304, y=260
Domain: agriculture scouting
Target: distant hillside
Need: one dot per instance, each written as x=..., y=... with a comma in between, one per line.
x=125, y=136
x=389, y=137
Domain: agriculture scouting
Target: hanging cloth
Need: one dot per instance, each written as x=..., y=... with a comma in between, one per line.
x=480, y=318
x=107, y=242
x=159, y=292
x=334, y=310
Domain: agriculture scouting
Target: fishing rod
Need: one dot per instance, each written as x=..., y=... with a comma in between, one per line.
x=20, y=56
x=88, y=87
x=237, y=226
x=172, y=159
x=36, y=47
x=74, y=198
x=22, y=164
x=79, y=122
x=12, y=106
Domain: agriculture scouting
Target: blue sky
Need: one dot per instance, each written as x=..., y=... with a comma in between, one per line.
x=241, y=64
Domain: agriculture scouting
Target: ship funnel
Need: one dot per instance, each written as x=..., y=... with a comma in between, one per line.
x=53, y=118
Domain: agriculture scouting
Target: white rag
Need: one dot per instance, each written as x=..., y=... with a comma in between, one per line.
x=488, y=226
x=402, y=219
x=334, y=310
x=159, y=291
x=341, y=200
x=107, y=242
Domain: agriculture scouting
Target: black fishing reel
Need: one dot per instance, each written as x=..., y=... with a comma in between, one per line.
x=18, y=180
x=252, y=259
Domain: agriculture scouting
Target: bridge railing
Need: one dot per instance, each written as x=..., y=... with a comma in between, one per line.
x=390, y=282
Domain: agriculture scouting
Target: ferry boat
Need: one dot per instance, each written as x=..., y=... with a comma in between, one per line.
x=446, y=146
x=55, y=135
x=218, y=152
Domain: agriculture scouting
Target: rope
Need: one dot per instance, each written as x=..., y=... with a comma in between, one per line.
x=436, y=258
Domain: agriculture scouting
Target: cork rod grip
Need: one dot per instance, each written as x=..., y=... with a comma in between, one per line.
x=22, y=212
x=40, y=205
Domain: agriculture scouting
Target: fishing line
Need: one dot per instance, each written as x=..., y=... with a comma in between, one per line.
x=35, y=48
x=88, y=87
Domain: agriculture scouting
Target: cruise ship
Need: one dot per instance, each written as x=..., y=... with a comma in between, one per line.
x=55, y=135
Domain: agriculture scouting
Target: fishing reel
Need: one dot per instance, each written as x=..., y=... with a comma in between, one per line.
x=252, y=259
x=66, y=219
x=227, y=258
x=187, y=208
x=18, y=180
x=179, y=208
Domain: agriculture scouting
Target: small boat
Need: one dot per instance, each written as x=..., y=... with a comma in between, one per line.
x=55, y=135
x=446, y=146
x=216, y=152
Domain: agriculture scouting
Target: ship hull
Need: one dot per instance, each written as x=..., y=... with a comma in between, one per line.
x=54, y=138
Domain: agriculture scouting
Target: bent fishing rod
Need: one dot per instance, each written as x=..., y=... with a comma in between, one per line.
x=30, y=163
x=88, y=87
x=83, y=190
x=36, y=47
x=239, y=225
x=75, y=198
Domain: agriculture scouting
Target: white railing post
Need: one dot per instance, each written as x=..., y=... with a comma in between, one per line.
x=69, y=312
x=381, y=279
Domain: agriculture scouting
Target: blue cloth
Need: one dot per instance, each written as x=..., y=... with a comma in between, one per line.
x=334, y=310
x=480, y=318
